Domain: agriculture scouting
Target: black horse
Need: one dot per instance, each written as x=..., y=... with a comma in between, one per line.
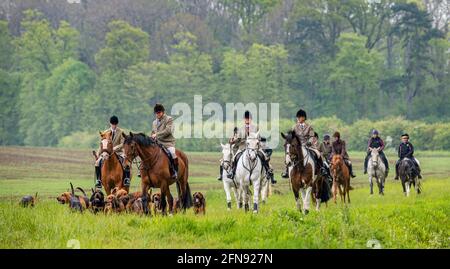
x=408, y=176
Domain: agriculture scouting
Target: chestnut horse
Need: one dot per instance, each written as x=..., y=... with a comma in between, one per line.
x=302, y=172
x=112, y=170
x=155, y=170
x=341, y=177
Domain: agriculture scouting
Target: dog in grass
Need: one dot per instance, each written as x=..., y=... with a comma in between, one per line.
x=199, y=203
x=74, y=201
x=28, y=200
x=97, y=201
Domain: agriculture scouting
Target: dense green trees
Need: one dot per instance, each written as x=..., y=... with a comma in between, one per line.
x=66, y=68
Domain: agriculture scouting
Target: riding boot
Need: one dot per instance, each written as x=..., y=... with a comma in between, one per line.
x=396, y=170
x=175, y=168
x=418, y=172
x=366, y=160
x=98, y=181
x=127, y=177
x=220, y=174
x=350, y=167
x=270, y=173
x=285, y=174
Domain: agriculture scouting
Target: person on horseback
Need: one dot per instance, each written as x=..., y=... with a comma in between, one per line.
x=406, y=150
x=325, y=148
x=376, y=142
x=117, y=140
x=240, y=138
x=306, y=134
x=162, y=131
x=338, y=147
x=234, y=149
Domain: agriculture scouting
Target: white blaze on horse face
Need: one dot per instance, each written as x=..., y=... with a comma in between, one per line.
x=104, y=143
x=287, y=156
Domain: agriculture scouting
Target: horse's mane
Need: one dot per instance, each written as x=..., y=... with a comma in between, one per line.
x=141, y=139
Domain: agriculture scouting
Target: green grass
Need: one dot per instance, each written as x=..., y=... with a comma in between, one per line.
x=418, y=221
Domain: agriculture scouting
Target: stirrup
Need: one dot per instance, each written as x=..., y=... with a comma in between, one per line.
x=126, y=182
x=98, y=184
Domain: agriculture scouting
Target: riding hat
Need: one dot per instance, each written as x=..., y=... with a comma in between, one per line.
x=158, y=108
x=114, y=120
x=405, y=135
x=301, y=113
x=247, y=115
x=337, y=134
x=375, y=132
x=326, y=137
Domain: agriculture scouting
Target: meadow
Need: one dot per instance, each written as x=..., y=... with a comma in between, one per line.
x=393, y=221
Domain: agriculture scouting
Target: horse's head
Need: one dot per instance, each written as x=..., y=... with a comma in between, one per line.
x=375, y=156
x=106, y=144
x=227, y=155
x=291, y=143
x=129, y=149
x=336, y=162
x=252, y=144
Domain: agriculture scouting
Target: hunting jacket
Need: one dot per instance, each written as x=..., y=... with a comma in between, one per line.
x=163, y=129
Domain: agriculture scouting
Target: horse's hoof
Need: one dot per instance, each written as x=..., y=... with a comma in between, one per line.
x=170, y=215
x=255, y=211
x=306, y=212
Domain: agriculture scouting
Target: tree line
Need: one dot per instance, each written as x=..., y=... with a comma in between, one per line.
x=65, y=68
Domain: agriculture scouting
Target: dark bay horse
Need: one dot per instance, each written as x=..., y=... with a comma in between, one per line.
x=341, y=177
x=408, y=176
x=302, y=172
x=155, y=170
x=112, y=170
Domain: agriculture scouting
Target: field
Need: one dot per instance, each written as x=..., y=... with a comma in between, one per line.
x=394, y=221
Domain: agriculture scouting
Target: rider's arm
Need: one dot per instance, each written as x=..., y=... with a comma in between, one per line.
x=166, y=131
x=382, y=144
x=120, y=145
x=411, y=151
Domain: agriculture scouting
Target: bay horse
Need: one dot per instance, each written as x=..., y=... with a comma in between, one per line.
x=408, y=176
x=112, y=170
x=341, y=177
x=302, y=172
x=377, y=170
x=155, y=171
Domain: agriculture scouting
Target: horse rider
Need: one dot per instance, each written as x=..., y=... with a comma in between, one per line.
x=406, y=150
x=162, y=131
x=117, y=141
x=376, y=142
x=234, y=149
x=306, y=134
x=240, y=138
x=325, y=148
x=338, y=147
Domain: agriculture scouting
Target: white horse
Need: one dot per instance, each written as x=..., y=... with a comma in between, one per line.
x=228, y=183
x=249, y=168
x=376, y=169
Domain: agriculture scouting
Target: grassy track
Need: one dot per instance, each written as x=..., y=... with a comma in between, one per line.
x=395, y=221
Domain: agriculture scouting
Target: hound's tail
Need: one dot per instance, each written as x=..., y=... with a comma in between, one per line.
x=71, y=186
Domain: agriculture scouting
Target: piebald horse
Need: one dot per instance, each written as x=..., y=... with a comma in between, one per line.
x=155, y=171
x=302, y=172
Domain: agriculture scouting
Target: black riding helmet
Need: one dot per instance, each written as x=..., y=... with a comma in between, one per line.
x=301, y=113
x=114, y=120
x=247, y=115
x=158, y=108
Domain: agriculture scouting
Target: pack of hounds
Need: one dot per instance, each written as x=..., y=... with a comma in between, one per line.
x=119, y=201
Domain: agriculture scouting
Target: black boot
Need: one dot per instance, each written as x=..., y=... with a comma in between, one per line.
x=98, y=181
x=126, y=177
x=396, y=171
x=366, y=160
x=351, y=170
x=270, y=176
x=175, y=168
x=285, y=174
x=220, y=174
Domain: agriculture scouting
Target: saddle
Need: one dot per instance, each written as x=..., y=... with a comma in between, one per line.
x=167, y=152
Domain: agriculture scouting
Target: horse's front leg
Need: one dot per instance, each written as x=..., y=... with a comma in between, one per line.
x=335, y=191
x=256, y=193
x=297, y=201
x=144, y=191
x=227, y=188
x=371, y=184
x=170, y=200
